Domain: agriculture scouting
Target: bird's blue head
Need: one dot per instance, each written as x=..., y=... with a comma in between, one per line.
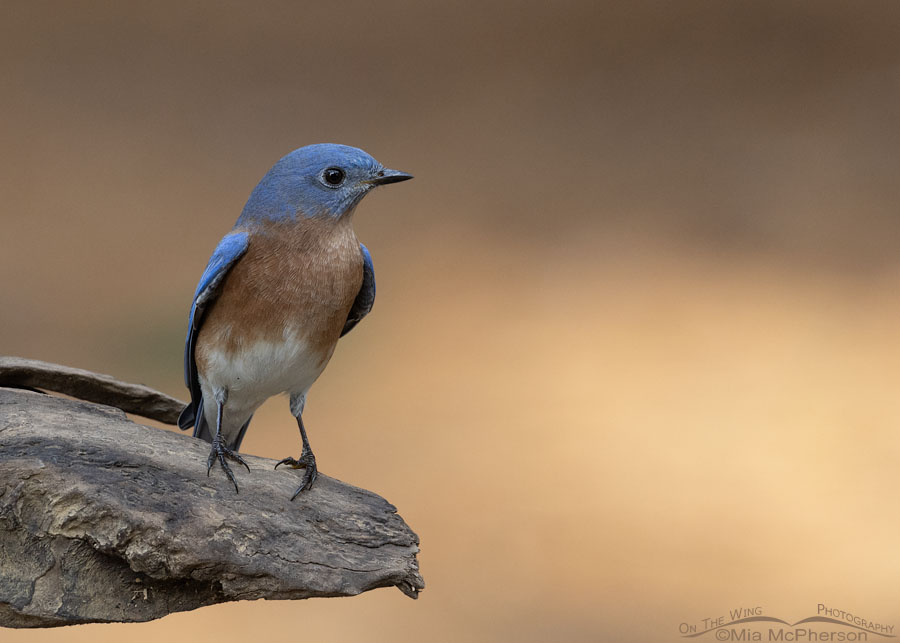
x=324, y=180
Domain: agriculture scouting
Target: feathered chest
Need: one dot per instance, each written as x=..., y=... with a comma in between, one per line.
x=294, y=281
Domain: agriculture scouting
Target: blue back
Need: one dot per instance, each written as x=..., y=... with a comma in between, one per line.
x=226, y=254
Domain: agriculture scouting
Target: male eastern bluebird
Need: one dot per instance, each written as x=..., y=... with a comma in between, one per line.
x=280, y=289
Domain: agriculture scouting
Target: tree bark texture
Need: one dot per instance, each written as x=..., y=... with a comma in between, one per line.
x=103, y=519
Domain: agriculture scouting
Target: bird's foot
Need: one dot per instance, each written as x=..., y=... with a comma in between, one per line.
x=307, y=461
x=219, y=452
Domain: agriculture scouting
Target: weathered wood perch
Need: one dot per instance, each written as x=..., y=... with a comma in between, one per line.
x=102, y=519
x=18, y=372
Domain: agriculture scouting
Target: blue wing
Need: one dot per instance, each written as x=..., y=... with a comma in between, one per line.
x=229, y=250
x=365, y=299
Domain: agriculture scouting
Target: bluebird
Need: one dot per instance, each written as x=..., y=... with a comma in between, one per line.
x=280, y=289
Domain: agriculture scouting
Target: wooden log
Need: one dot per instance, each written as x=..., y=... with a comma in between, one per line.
x=18, y=372
x=104, y=520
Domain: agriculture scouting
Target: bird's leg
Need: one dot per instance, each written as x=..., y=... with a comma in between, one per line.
x=306, y=460
x=220, y=451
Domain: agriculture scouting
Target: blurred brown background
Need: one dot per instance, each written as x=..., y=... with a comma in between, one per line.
x=634, y=359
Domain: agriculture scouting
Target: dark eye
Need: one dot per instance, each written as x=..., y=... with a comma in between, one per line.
x=333, y=176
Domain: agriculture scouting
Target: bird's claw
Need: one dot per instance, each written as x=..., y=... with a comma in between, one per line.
x=307, y=461
x=220, y=452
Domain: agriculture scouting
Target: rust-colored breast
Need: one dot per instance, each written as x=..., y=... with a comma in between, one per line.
x=298, y=279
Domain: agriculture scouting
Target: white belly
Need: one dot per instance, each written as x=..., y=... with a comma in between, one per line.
x=255, y=372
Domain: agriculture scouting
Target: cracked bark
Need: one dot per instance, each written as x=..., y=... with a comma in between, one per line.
x=103, y=519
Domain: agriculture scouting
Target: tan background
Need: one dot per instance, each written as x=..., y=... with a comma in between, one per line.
x=634, y=359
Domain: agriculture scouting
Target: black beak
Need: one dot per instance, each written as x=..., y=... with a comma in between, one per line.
x=390, y=176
